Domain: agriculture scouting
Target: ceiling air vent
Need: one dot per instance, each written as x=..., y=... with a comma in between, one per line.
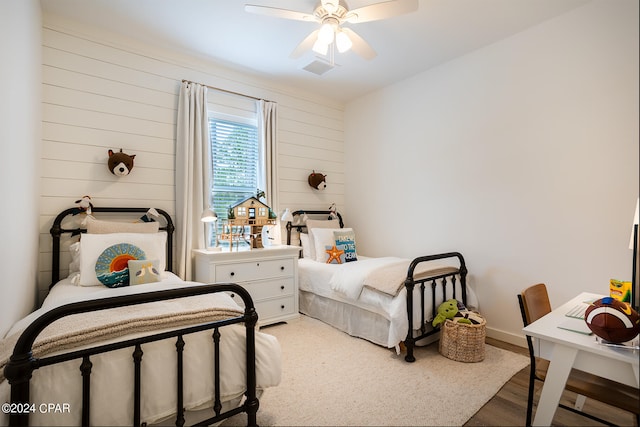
x=318, y=67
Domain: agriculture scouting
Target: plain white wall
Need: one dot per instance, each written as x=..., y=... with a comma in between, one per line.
x=20, y=28
x=522, y=155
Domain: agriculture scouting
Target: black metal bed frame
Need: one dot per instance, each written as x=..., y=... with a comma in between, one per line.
x=57, y=231
x=299, y=227
x=22, y=362
x=410, y=283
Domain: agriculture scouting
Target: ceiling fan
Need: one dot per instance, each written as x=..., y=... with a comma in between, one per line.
x=331, y=14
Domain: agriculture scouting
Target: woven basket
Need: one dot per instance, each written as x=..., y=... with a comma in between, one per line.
x=463, y=342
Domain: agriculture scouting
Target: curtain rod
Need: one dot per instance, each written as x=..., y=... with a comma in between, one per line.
x=227, y=91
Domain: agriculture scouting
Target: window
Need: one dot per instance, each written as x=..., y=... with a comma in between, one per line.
x=235, y=166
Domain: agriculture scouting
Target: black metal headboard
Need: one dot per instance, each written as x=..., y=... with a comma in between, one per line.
x=299, y=227
x=57, y=231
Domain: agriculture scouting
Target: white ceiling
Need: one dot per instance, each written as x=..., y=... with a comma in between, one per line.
x=406, y=45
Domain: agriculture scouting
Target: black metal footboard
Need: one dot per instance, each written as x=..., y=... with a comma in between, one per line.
x=431, y=283
x=22, y=363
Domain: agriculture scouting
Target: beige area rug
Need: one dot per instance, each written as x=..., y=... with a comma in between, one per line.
x=332, y=379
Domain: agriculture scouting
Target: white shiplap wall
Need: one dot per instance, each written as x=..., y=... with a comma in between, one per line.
x=104, y=92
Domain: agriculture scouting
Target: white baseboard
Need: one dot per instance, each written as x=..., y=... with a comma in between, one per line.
x=507, y=337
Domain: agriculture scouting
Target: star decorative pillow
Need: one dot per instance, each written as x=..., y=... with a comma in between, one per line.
x=335, y=254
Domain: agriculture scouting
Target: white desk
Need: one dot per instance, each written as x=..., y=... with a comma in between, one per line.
x=566, y=349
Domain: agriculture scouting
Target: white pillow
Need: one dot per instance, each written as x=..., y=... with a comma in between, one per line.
x=322, y=223
x=315, y=223
x=97, y=226
x=74, y=251
x=323, y=237
x=92, y=246
x=306, y=245
x=74, y=265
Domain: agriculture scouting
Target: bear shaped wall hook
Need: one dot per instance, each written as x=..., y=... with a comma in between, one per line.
x=120, y=164
x=317, y=181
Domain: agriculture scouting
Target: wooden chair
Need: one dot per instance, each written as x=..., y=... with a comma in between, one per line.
x=534, y=303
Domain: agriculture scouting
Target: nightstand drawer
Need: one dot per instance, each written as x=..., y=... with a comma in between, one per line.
x=269, y=288
x=253, y=270
x=275, y=308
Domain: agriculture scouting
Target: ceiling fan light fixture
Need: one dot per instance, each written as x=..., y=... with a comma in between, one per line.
x=343, y=42
x=331, y=15
x=326, y=33
x=320, y=47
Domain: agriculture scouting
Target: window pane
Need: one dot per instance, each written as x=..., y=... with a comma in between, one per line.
x=235, y=156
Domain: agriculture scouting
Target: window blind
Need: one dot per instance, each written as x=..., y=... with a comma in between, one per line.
x=234, y=164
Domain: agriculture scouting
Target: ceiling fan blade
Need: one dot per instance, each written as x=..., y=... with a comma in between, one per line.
x=279, y=13
x=382, y=10
x=360, y=46
x=305, y=45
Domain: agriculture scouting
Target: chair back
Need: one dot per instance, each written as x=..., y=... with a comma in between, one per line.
x=534, y=303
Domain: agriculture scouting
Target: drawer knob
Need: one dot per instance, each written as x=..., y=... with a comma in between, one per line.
x=257, y=264
x=282, y=306
x=233, y=274
x=282, y=268
x=282, y=287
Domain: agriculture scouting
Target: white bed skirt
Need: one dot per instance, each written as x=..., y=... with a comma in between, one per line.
x=353, y=320
x=374, y=316
x=349, y=318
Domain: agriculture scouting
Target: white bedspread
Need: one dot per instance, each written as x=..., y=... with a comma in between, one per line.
x=349, y=278
x=345, y=283
x=112, y=373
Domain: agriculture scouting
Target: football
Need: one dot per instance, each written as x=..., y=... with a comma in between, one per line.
x=612, y=320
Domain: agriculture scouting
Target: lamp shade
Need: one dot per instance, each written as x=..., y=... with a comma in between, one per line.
x=343, y=42
x=287, y=216
x=208, y=215
x=320, y=47
x=326, y=33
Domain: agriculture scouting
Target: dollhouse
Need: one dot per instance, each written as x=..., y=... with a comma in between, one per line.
x=245, y=221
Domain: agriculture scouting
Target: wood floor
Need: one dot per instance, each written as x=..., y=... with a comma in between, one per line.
x=509, y=406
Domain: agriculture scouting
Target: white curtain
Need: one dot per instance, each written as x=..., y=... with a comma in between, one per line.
x=267, y=125
x=193, y=174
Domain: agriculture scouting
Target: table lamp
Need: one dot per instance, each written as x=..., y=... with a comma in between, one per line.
x=286, y=216
x=208, y=217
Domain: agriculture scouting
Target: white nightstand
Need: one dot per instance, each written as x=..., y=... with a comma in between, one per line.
x=270, y=275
